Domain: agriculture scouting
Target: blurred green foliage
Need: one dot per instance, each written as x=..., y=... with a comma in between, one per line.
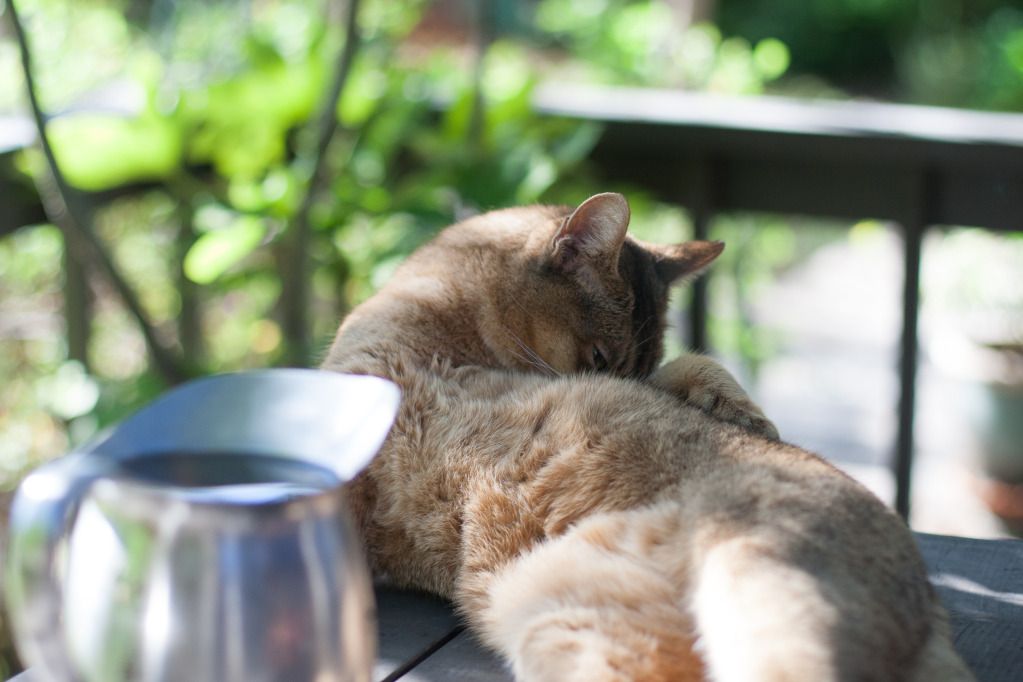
x=963, y=53
x=617, y=41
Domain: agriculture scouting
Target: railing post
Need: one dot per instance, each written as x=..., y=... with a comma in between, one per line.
x=700, y=196
x=913, y=227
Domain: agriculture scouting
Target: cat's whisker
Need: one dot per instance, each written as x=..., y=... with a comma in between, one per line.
x=654, y=333
x=538, y=361
x=532, y=356
x=544, y=363
x=520, y=306
x=526, y=359
x=646, y=339
x=642, y=342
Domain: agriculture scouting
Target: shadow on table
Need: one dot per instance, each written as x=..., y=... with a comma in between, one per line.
x=980, y=582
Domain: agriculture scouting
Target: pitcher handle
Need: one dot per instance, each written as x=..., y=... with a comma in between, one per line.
x=43, y=510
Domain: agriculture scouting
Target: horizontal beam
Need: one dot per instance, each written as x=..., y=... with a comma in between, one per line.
x=835, y=159
x=844, y=160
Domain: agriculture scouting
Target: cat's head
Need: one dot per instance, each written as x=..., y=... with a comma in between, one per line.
x=579, y=294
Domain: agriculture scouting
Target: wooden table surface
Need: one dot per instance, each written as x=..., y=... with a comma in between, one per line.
x=979, y=581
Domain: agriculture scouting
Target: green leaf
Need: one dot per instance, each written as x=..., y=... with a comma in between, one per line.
x=1013, y=47
x=98, y=152
x=771, y=57
x=215, y=252
x=366, y=87
x=541, y=175
x=577, y=144
x=241, y=124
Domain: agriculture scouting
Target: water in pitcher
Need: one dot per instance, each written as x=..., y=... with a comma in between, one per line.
x=231, y=478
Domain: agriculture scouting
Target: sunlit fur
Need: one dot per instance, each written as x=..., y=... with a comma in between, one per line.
x=592, y=520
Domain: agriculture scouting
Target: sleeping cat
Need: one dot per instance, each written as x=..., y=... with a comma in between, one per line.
x=595, y=517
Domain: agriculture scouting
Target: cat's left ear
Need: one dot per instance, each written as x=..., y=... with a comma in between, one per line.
x=593, y=234
x=683, y=261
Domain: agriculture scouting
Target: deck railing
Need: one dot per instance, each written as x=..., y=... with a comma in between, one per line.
x=917, y=167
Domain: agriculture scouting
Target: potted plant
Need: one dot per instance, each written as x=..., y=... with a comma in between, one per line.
x=973, y=287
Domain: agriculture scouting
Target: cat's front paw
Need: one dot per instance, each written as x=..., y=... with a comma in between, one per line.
x=701, y=382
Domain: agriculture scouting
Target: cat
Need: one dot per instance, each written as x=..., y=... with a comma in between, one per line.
x=594, y=516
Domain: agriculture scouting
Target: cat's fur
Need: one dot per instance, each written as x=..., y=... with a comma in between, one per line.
x=594, y=521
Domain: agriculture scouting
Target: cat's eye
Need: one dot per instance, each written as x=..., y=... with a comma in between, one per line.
x=599, y=361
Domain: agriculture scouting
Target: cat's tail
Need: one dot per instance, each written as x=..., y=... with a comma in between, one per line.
x=938, y=660
x=591, y=606
x=790, y=625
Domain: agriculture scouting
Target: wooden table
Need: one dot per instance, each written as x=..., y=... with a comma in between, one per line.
x=980, y=581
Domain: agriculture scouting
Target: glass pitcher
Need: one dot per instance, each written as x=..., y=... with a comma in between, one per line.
x=205, y=538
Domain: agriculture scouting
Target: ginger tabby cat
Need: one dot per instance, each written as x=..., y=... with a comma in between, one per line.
x=593, y=517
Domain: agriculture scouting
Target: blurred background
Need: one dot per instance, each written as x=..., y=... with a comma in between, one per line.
x=237, y=174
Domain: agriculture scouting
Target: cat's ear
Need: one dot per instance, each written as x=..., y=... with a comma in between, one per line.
x=683, y=261
x=593, y=234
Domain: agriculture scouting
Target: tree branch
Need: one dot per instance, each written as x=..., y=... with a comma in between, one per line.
x=483, y=36
x=295, y=276
x=74, y=217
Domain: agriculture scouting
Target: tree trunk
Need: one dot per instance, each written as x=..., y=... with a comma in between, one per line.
x=190, y=320
x=77, y=308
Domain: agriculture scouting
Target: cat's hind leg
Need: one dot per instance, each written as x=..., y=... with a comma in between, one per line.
x=586, y=607
x=938, y=661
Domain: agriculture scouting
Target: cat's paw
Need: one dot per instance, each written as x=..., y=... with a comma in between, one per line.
x=701, y=382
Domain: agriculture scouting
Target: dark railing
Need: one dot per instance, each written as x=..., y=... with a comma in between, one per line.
x=915, y=166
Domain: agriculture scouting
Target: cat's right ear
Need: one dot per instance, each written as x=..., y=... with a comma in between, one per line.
x=682, y=262
x=593, y=234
